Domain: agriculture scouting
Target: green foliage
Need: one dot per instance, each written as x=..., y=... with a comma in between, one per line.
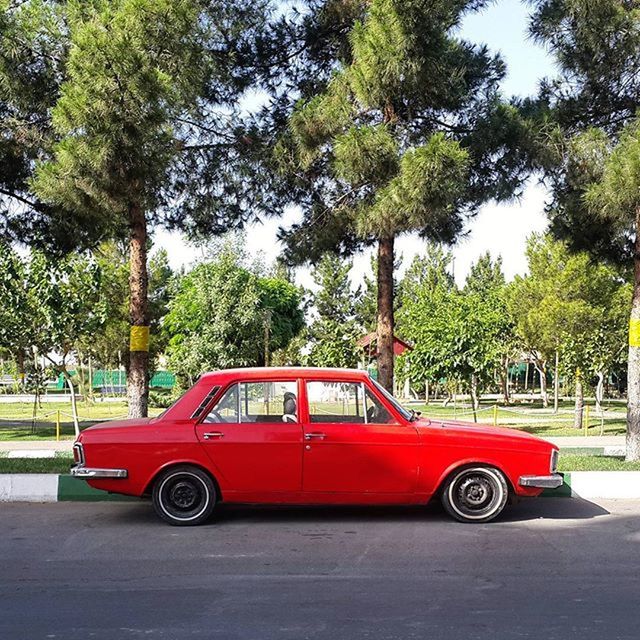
x=365, y=155
x=334, y=333
x=455, y=334
x=113, y=101
x=570, y=304
x=110, y=346
x=614, y=197
x=588, y=106
x=217, y=317
x=399, y=135
x=56, y=305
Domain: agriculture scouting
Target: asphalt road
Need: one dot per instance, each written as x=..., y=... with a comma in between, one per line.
x=552, y=568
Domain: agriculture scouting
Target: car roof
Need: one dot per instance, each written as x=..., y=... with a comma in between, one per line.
x=273, y=373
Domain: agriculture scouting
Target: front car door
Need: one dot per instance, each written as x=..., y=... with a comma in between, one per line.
x=355, y=444
x=253, y=436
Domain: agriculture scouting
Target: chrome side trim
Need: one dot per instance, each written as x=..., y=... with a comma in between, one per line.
x=552, y=481
x=80, y=471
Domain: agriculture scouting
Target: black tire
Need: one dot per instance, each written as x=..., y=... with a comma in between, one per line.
x=184, y=496
x=475, y=494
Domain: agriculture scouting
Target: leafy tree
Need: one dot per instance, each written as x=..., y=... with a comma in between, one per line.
x=58, y=305
x=334, y=332
x=457, y=335
x=485, y=283
x=570, y=307
x=586, y=109
x=406, y=134
x=16, y=329
x=219, y=316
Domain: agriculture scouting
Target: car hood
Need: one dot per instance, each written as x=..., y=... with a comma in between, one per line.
x=118, y=424
x=483, y=431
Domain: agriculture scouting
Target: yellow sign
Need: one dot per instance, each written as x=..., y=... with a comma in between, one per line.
x=634, y=332
x=139, y=339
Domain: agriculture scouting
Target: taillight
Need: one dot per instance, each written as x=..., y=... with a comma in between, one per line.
x=78, y=453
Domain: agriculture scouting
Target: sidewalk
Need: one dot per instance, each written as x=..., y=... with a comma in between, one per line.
x=34, y=448
x=593, y=445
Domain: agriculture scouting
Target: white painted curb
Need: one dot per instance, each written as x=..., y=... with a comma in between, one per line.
x=28, y=487
x=622, y=485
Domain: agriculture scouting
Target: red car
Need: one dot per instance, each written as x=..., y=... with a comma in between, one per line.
x=308, y=436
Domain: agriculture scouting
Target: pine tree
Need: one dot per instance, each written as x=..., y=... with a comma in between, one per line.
x=139, y=129
x=586, y=110
x=334, y=332
x=407, y=134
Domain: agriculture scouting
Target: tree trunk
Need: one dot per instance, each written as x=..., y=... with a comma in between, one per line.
x=556, y=384
x=20, y=367
x=504, y=381
x=633, y=368
x=138, y=373
x=579, y=407
x=385, y=313
x=541, y=368
x=426, y=391
x=474, y=396
x=74, y=403
x=599, y=391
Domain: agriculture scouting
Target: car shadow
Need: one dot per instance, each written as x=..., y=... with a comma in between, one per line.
x=525, y=510
x=549, y=508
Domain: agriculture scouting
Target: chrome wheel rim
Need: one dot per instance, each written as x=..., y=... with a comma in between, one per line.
x=476, y=493
x=183, y=496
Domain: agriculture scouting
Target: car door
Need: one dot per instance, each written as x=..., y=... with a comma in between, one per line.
x=354, y=444
x=253, y=437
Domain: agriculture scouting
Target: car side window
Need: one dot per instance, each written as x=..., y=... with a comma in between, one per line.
x=263, y=401
x=375, y=411
x=336, y=402
x=226, y=409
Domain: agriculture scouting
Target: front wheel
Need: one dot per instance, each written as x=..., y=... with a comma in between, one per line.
x=184, y=496
x=476, y=494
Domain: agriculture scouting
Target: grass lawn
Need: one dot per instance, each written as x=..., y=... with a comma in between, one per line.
x=569, y=462
x=533, y=418
x=35, y=465
x=16, y=418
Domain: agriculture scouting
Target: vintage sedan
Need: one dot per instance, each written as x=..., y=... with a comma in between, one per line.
x=309, y=436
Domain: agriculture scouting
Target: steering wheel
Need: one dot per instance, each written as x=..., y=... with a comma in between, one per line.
x=372, y=413
x=216, y=415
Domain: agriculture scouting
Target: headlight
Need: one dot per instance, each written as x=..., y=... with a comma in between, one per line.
x=553, y=466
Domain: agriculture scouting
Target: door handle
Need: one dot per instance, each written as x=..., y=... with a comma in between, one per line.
x=212, y=434
x=314, y=436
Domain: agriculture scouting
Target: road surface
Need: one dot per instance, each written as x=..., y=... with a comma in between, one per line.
x=553, y=568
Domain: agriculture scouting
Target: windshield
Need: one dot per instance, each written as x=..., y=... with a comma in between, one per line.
x=407, y=415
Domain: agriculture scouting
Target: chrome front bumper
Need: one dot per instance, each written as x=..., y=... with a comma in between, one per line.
x=80, y=471
x=552, y=481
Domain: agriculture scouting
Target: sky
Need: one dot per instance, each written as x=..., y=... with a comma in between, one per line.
x=501, y=229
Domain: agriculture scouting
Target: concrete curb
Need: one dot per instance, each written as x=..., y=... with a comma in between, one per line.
x=49, y=487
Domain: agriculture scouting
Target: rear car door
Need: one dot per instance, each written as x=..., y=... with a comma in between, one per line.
x=253, y=437
x=353, y=443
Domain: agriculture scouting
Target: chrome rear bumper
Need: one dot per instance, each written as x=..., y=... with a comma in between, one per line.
x=552, y=481
x=80, y=471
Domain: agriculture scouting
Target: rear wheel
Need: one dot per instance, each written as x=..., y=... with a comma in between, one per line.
x=184, y=496
x=476, y=494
